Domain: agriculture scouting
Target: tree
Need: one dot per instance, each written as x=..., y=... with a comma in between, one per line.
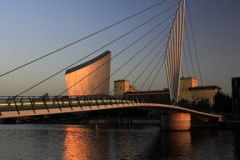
x=184, y=103
x=203, y=104
x=199, y=105
x=222, y=103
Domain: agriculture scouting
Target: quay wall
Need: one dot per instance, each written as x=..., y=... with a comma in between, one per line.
x=127, y=121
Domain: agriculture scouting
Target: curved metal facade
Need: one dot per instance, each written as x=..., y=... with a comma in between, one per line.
x=74, y=75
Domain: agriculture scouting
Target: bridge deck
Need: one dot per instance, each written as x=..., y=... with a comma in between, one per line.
x=34, y=108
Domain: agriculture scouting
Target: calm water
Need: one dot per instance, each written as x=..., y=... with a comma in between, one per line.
x=74, y=142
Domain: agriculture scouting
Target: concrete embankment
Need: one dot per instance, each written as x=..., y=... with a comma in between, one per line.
x=126, y=121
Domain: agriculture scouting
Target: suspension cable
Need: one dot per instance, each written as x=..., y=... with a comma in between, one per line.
x=185, y=59
x=183, y=83
x=137, y=65
x=173, y=20
x=80, y=39
x=126, y=63
x=189, y=50
x=151, y=72
x=145, y=68
x=156, y=75
x=96, y=51
x=116, y=56
x=194, y=43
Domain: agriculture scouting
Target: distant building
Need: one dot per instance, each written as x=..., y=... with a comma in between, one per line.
x=83, y=79
x=204, y=92
x=132, y=89
x=162, y=96
x=190, y=90
x=121, y=87
x=236, y=96
x=185, y=84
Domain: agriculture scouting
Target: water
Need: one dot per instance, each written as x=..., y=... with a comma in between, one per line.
x=76, y=142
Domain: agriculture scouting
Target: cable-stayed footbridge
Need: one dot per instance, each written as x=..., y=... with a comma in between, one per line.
x=169, y=41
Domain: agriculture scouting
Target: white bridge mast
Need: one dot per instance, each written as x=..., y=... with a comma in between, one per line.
x=173, y=55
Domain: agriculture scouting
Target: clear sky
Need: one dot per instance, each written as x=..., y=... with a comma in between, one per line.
x=31, y=28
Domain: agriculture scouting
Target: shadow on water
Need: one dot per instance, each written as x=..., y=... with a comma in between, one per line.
x=169, y=144
x=195, y=144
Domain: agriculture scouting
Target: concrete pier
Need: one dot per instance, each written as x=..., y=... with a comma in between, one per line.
x=175, y=121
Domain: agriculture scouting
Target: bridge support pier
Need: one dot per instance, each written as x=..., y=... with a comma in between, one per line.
x=176, y=121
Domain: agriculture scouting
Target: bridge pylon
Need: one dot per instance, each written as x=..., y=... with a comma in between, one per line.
x=173, y=54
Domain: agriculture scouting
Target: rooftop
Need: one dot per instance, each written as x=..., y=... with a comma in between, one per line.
x=147, y=92
x=121, y=80
x=206, y=87
x=88, y=62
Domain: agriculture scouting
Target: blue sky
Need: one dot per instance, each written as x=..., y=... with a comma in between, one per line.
x=30, y=29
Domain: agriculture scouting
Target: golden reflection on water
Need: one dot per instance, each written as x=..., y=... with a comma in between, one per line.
x=75, y=145
x=83, y=143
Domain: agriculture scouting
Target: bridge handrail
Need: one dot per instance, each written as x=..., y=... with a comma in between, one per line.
x=10, y=103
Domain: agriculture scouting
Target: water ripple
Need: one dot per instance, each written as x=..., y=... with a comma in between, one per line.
x=81, y=142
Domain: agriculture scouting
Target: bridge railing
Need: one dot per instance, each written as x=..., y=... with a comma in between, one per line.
x=8, y=103
x=47, y=102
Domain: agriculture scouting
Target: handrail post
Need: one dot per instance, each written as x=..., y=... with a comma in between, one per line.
x=121, y=101
x=16, y=105
x=79, y=103
x=32, y=105
x=132, y=100
x=68, y=99
x=21, y=102
x=127, y=101
x=54, y=103
x=45, y=103
x=88, y=102
x=115, y=101
x=110, y=101
x=96, y=101
x=58, y=104
x=8, y=101
x=103, y=102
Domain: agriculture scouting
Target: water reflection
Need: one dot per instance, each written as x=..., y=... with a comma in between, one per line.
x=131, y=142
x=193, y=144
x=82, y=144
x=115, y=142
x=107, y=143
x=212, y=144
x=74, y=145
